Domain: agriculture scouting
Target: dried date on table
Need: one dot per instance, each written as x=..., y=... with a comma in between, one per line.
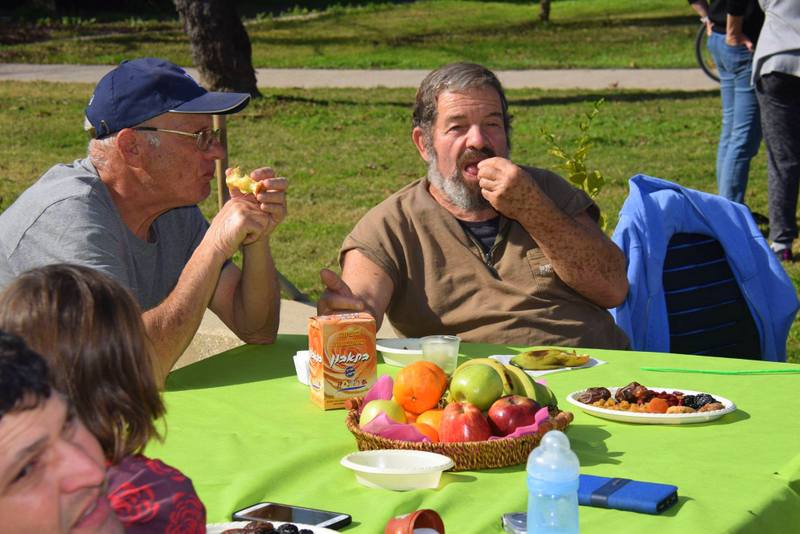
x=253, y=527
x=592, y=395
x=634, y=393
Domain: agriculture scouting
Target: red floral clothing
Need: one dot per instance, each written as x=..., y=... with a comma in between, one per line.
x=150, y=497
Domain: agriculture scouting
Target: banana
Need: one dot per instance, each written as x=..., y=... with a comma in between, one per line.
x=548, y=359
x=527, y=386
x=499, y=368
x=522, y=383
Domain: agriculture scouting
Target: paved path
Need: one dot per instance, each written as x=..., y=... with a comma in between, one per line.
x=648, y=79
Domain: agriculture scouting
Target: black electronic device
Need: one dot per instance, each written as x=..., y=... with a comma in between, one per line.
x=271, y=511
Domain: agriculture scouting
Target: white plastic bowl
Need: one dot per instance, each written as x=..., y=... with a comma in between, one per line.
x=397, y=469
x=400, y=352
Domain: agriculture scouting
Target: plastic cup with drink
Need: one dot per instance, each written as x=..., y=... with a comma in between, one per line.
x=441, y=350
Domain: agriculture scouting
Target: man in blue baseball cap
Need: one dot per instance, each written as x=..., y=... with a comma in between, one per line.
x=130, y=210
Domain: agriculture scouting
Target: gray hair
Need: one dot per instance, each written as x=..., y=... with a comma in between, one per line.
x=454, y=77
x=97, y=149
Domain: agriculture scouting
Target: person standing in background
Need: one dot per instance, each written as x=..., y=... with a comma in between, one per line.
x=733, y=29
x=776, y=75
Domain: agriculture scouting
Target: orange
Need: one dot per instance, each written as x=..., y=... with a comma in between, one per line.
x=419, y=386
x=427, y=430
x=431, y=417
x=434, y=368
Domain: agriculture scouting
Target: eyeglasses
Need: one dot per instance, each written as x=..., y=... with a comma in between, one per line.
x=203, y=138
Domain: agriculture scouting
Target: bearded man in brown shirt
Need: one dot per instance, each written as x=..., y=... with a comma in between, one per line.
x=482, y=248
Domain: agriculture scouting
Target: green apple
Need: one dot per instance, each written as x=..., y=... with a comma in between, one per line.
x=373, y=408
x=477, y=384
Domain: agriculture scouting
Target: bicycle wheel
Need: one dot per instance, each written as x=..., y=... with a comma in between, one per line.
x=702, y=54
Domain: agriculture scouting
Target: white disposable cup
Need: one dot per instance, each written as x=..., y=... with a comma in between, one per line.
x=441, y=350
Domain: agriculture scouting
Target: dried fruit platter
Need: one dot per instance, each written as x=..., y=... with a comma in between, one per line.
x=644, y=417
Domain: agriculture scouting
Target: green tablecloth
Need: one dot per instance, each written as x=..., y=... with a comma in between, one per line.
x=243, y=428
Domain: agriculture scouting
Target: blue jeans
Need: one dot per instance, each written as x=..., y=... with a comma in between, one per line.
x=741, y=126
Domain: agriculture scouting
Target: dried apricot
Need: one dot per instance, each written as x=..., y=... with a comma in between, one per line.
x=657, y=405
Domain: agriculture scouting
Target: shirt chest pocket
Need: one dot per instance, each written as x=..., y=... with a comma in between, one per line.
x=544, y=278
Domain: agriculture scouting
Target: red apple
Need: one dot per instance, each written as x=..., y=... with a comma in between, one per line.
x=462, y=421
x=508, y=413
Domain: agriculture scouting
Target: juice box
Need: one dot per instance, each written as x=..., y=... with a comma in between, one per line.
x=343, y=363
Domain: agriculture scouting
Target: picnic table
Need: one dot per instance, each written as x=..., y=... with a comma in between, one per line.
x=243, y=428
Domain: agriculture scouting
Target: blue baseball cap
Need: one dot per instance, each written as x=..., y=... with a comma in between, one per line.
x=144, y=88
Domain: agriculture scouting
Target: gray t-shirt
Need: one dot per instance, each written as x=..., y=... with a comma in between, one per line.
x=67, y=216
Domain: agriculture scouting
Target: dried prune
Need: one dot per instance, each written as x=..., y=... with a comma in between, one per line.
x=592, y=395
x=698, y=401
x=288, y=528
x=305, y=531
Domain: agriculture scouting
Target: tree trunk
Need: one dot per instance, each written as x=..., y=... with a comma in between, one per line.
x=220, y=45
x=544, y=10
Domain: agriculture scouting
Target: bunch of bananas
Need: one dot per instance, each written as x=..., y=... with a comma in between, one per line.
x=515, y=381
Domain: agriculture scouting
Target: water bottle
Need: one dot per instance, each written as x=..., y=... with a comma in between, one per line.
x=553, y=486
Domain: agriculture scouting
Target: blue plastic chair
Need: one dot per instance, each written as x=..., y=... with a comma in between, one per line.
x=702, y=277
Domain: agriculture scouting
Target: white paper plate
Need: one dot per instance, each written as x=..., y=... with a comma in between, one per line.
x=506, y=358
x=218, y=528
x=655, y=418
x=400, y=352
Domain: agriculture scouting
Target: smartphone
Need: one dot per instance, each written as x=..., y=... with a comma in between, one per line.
x=515, y=523
x=272, y=511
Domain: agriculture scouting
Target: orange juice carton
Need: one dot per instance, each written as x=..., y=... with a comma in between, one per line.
x=343, y=363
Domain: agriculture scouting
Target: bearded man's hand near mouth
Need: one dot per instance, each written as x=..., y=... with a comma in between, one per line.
x=508, y=187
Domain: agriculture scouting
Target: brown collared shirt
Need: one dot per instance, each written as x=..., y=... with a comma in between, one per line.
x=445, y=284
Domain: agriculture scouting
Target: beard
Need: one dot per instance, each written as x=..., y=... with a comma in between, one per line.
x=458, y=191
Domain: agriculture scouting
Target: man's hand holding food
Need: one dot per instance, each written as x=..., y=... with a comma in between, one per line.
x=250, y=217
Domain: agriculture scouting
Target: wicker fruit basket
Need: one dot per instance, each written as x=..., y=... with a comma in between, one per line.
x=467, y=456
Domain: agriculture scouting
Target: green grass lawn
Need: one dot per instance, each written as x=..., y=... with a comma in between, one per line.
x=344, y=151
x=424, y=34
